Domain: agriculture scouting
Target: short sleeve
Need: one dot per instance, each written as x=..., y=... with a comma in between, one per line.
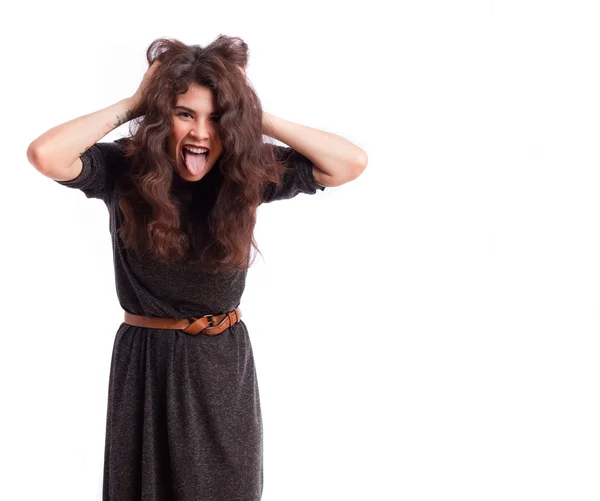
x=297, y=178
x=96, y=179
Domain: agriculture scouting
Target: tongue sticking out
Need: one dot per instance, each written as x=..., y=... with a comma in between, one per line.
x=195, y=162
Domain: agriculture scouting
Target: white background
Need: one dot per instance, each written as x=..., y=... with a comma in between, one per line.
x=428, y=331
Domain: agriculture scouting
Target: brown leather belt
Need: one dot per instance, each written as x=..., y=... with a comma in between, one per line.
x=208, y=324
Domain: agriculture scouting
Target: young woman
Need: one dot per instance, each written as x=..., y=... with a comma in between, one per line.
x=184, y=419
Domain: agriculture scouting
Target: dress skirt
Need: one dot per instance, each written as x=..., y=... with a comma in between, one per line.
x=183, y=417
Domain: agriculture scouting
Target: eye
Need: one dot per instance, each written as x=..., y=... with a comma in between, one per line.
x=214, y=118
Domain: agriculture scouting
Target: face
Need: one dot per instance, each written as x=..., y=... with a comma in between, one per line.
x=195, y=124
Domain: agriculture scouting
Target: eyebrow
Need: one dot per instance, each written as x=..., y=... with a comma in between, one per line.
x=190, y=110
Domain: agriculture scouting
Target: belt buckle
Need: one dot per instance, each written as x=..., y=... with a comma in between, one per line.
x=211, y=322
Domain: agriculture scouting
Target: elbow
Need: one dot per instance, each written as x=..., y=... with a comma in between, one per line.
x=34, y=157
x=361, y=164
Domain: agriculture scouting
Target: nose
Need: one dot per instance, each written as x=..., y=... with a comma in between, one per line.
x=200, y=130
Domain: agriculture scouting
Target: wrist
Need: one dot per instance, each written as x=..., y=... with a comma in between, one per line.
x=132, y=103
x=267, y=124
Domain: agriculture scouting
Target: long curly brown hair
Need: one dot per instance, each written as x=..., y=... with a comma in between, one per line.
x=219, y=235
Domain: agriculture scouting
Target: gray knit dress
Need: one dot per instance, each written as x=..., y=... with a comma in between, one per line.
x=183, y=415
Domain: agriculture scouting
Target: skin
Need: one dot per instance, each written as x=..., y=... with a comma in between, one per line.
x=197, y=127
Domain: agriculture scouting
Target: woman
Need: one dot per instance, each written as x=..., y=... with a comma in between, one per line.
x=184, y=419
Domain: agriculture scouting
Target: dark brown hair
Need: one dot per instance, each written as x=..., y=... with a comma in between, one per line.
x=152, y=211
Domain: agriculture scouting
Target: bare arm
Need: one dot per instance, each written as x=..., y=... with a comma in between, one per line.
x=56, y=152
x=335, y=160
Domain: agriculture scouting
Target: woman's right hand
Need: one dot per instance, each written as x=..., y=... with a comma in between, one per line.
x=137, y=98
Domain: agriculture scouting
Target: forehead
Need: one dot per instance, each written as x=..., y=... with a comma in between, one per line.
x=202, y=97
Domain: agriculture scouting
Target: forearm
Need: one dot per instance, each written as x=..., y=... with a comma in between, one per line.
x=332, y=154
x=60, y=146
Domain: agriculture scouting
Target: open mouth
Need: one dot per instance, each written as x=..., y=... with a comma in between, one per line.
x=194, y=161
x=185, y=150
